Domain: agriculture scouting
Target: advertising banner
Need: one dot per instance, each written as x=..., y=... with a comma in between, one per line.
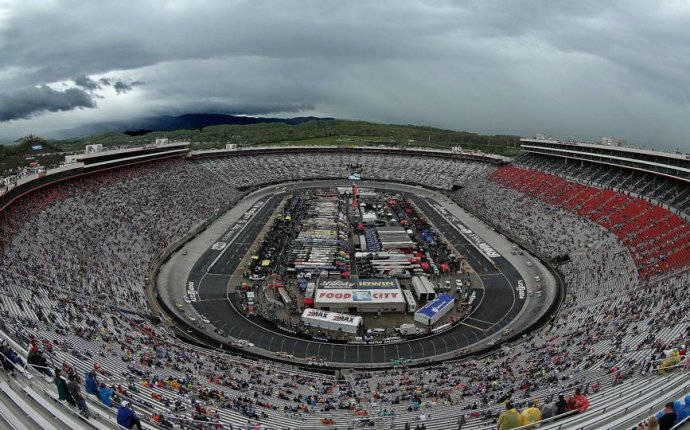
x=351, y=296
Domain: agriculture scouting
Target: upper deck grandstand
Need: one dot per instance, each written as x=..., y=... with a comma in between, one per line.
x=661, y=176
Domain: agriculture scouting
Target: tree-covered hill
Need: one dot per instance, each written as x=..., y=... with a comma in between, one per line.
x=313, y=132
x=317, y=132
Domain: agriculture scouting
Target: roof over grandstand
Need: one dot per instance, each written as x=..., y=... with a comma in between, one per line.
x=597, y=146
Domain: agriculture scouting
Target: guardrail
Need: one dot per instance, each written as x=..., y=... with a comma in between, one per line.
x=680, y=424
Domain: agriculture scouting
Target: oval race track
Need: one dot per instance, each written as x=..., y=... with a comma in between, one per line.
x=498, y=306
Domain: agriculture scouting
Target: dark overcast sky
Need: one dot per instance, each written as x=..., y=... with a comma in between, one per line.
x=580, y=69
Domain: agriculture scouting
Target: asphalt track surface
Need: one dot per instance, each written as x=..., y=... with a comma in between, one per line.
x=498, y=304
x=211, y=273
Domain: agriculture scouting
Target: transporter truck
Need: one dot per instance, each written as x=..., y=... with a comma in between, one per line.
x=407, y=329
x=332, y=321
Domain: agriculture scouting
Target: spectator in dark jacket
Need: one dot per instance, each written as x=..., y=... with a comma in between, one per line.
x=37, y=359
x=63, y=392
x=6, y=352
x=75, y=391
x=126, y=417
x=561, y=405
x=105, y=394
x=91, y=383
x=668, y=419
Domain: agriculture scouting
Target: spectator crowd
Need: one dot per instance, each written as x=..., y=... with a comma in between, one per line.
x=75, y=256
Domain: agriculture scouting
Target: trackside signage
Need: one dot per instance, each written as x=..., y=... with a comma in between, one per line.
x=191, y=292
x=360, y=284
x=351, y=296
x=331, y=320
x=521, y=289
x=484, y=247
x=336, y=284
x=332, y=316
x=237, y=226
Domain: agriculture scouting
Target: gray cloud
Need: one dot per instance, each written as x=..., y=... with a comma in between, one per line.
x=86, y=83
x=571, y=69
x=237, y=109
x=28, y=102
x=122, y=87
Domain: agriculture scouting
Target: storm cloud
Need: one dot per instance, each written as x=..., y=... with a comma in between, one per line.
x=120, y=87
x=31, y=101
x=570, y=69
x=87, y=83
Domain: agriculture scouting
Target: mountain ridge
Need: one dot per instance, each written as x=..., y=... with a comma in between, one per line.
x=190, y=121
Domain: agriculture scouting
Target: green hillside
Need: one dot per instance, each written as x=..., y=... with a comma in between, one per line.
x=320, y=132
x=338, y=132
x=21, y=154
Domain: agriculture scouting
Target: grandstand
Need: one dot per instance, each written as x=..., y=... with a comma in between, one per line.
x=659, y=176
x=77, y=249
x=276, y=168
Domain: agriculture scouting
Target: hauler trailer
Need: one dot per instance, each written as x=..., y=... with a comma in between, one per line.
x=309, y=294
x=284, y=296
x=411, y=302
x=423, y=289
x=434, y=310
x=332, y=321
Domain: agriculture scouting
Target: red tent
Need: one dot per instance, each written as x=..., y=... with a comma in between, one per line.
x=355, y=194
